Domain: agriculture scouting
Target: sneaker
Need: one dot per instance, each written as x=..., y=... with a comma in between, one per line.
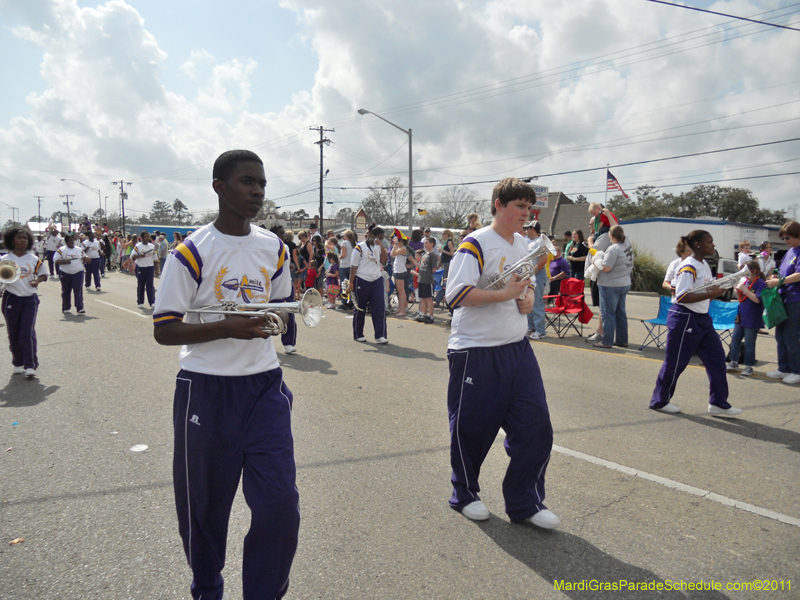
x=18, y=370
x=746, y=372
x=476, y=511
x=420, y=318
x=81, y=312
x=732, y=366
x=723, y=412
x=777, y=375
x=30, y=373
x=669, y=407
x=536, y=336
x=103, y=277
x=594, y=337
x=382, y=340
x=140, y=305
x=97, y=289
x=428, y=320
x=361, y=339
x=545, y=519
x=289, y=349
x=66, y=312
x=792, y=379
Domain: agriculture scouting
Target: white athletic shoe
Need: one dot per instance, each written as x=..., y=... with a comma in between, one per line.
x=476, y=511
x=382, y=340
x=18, y=370
x=545, y=519
x=361, y=339
x=289, y=349
x=777, y=374
x=669, y=407
x=140, y=305
x=792, y=378
x=723, y=412
x=30, y=373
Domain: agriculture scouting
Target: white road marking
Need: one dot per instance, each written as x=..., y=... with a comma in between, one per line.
x=677, y=485
x=125, y=309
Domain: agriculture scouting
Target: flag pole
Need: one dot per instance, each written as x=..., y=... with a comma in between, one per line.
x=607, y=165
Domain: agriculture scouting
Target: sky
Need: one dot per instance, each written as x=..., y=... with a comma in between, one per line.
x=151, y=92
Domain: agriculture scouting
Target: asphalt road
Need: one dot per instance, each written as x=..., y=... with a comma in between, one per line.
x=371, y=439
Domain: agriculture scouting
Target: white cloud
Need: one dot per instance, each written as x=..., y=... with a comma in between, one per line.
x=196, y=59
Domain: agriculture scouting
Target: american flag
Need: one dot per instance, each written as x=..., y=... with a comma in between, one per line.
x=613, y=185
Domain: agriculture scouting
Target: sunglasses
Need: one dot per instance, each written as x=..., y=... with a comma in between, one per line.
x=785, y=238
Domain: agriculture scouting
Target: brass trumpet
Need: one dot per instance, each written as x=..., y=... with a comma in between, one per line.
x=309, y=307
x=9, y=273
x=525, y=267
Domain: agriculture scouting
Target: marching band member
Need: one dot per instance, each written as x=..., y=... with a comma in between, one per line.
x=692, y=331
x=52, y=243
x=232, y=410
x=683, y=251
x=366, y=279
x=70, y=259
x=143, y=255
x=494, y=376
x=92, y=249
x=20, y=300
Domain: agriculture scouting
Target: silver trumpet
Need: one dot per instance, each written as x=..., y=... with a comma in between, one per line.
x=525, y=267
x=724, y=283
x=9, y=273
x=309, y=307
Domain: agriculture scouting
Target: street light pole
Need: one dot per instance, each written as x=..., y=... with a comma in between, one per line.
x=362, y=112
x=88, y=187
x=13, y=208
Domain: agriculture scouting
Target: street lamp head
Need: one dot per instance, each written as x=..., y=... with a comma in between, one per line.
x=361, y=111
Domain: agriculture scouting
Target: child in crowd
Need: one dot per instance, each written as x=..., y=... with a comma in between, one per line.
x=744, y=254
x=311, y=274
x=765, y=260
x=332, y=279
x=749, y=320
x=691, y=332
x=427, y=266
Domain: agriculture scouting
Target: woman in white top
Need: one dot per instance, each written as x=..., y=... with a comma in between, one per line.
x=765, y=260
x=399, y=253
x=20, y=301
x=70, y=260
x=349, y=242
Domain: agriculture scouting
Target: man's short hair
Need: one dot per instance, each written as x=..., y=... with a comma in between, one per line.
x=510, y=189
x=228, y=161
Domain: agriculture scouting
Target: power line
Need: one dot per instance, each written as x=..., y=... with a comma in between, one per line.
x=711, y=12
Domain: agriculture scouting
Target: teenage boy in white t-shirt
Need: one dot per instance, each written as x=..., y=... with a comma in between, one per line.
x=232, y=410
x=494, y=377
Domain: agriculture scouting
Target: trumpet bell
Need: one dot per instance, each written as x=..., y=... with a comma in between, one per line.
x=311, y=308
x=9, y=272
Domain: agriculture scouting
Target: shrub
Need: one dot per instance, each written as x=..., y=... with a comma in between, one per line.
x=648, y=273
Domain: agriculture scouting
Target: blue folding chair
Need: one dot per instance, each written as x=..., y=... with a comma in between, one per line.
x=657, y=328
x=723, y=316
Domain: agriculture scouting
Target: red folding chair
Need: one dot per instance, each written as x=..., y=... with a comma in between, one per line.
x=570, y=308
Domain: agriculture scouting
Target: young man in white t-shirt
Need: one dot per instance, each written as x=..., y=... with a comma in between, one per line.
x=144, y=255
x=232, y=410
x=494, y=377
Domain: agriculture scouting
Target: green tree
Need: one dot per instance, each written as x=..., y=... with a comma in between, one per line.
x=161, y=213
x=387, y=202
x=180, y=213
x=37, y=219
x=345, y=215
x=451, y=208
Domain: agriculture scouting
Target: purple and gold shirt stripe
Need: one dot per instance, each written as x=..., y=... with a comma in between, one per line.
x=471, y=246
x=166, y=317
x=689, y=269
x=187, y=253
x=283, y=255
x=456, y=303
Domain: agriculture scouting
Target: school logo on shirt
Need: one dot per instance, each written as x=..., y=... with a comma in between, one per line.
x=247, y=289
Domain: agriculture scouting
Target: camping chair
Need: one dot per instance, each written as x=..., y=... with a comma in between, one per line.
x=570, y=306
x=657, y=328
x=723, y=316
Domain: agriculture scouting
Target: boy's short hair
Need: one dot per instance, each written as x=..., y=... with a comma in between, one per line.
x=510, y=189
x=431, y=240
x=228, y=161
x=12, y=232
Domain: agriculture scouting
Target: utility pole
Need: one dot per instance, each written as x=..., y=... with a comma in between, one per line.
x=69, y=215
x=326, y=142
x=39, y=199
x=122, y=197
